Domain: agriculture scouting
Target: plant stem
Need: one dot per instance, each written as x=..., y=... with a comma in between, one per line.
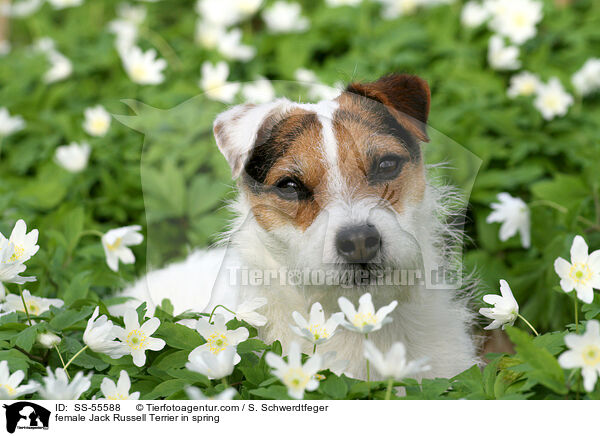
x=91, y=232
x=576, y=315
x=388, y=393
x=163, y=47
x=62, y=361
x=74, y=357
x=213, y=311
x=368, y=374
x=563, y=209
x=528, y=324
x=25, y=305
x=224, y=380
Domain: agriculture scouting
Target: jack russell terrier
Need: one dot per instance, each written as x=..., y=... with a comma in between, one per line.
x=339, y=188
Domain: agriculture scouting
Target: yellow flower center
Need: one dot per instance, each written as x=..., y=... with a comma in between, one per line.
x=318, y=332
x=32, y=307
x=580, y=273
x=217, y=342
x=363, y=319
x=137, y=339
x=552, y=102
x=591, y=355
x=296, y=378
x=9, y=389
x=520, y=20
x=18, y=253
x=117, y=397
x=528, y=88
x=139, y=72
x=99, y=124
x=114, y=245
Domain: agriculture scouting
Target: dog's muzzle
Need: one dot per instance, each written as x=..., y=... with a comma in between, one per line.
x=358, y=244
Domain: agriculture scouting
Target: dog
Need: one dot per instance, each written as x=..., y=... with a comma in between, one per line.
x=337, y=187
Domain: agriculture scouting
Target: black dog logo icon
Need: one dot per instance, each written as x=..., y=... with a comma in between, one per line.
x=24, y=414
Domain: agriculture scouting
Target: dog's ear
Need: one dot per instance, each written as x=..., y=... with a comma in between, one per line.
x=402, y=94
x=236, y=130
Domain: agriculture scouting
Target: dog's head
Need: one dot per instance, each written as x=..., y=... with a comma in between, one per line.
x=339, y=182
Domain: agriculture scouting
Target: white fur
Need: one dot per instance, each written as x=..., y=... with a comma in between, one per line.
x=432, y=323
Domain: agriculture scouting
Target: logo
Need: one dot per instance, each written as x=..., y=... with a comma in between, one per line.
x=26, y=415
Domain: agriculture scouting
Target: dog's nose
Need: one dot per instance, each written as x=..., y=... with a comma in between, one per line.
x=358, y=244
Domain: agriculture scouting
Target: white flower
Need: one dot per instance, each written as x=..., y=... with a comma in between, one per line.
x=60, y=67
x=473, y=14
x=133, y=14
x=587, y=79
x=517, y=20
x=394, y=364
x=45, y=45
x=214, y=82
x=230, y=45
x=99, y=336
x=139, y=338
x=336, y=3
x=338, y=367
x=584, y=353
x=523, y=84
x=552, y=100
x=502, y=57
x=35, y=305
x=213, y=366
x=195, y=393
x=126, y=33
x=57, y=386
x=283, y=17
x=143, y=67
x=393, y=9
x=20, y=9
x=247, y=312
x=208, y=34
x=62, y=4
x=2, y=292
x=120, y=390
x=247, y=8
x=316, y=330
x=116, y=243
x=48, y=340
x=25, y=244
x=505, y=310
x=8, y=124
x=9, y=268
x=295, y=376
x=97, y=121
x=583, y=273
x=218, y=338
x=365, y=320
x=259, y=91
x=224, y=13
x=307, y=76
x=73, y=157
x=10, y=384
x=5, y=47
x=513, y=213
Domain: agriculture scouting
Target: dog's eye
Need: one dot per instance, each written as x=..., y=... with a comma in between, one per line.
x=386, y=167
x=290, y=188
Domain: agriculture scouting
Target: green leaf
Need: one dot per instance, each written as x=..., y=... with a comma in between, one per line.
x=179, y=336
x=26, y=338
x=545, y=368
x=69, y=317
x=334, y=387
